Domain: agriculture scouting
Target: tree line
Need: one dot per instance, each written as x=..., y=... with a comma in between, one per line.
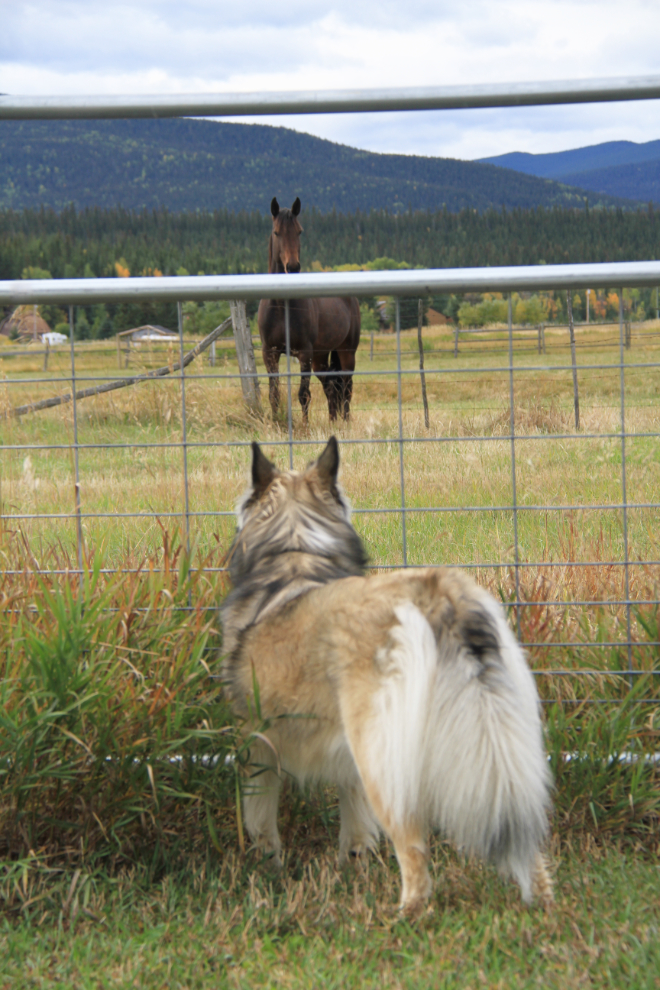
x=120, y=243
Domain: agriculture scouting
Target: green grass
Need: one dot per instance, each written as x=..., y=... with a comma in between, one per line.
x=455, y=472
x=114, y=732
x=119, y=833
x=237, y=926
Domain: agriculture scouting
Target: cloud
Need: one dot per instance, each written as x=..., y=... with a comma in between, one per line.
x=67, y=46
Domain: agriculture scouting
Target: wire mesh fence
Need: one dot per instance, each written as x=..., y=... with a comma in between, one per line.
x=559, y=522
x=479, y=456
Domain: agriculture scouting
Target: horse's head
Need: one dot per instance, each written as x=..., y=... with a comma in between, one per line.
x=284, y=244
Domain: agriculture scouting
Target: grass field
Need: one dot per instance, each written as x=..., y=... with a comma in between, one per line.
x=320, y=927
x=131, y=458
x=121, y=845
x=131, y=464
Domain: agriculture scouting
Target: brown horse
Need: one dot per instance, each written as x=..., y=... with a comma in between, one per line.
x=324, y=333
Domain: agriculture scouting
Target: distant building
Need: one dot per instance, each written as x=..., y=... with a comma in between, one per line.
x=148, y=332
x=141, y=335
x=25, y=324
x=54, y=338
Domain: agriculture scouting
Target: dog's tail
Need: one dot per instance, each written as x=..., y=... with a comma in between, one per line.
x=455, y=741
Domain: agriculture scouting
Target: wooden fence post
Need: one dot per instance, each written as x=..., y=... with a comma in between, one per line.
x=420, y=319
x=245, y=356
x=571, y=332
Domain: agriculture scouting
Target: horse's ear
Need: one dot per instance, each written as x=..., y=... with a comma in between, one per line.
x=263, y=470
x=295, y=209
x=274, y=207
x=327, y=465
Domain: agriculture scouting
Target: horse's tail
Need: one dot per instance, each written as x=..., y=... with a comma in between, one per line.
x=335, y=363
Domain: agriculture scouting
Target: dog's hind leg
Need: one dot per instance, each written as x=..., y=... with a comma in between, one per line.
x=409, y=841
x=542, y=886
x=359, y=830
x=412, y=853
x=260, y=803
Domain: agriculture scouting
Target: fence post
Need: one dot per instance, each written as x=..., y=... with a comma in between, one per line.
x=541, y=338
x=420, y=318
x=628, y=335
x=571, y=332
x=247, y=365
x=456, y=341
x=76, y=448
x=212, y=355
x=46, y=353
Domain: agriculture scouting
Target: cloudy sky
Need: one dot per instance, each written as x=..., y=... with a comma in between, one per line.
x=186, y=46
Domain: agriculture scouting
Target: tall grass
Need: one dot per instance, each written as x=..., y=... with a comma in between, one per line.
x=115, y=737
x=113, y=730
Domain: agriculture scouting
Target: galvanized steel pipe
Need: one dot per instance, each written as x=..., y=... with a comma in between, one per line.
x=412, y=283
x=332, y=101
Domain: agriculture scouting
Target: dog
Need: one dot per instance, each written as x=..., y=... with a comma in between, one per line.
x=407, y=689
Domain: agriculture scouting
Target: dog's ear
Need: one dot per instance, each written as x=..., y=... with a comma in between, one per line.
x=263, y=470
x=327, y=465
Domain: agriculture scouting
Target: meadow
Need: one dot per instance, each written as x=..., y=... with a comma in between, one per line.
x=124, y=858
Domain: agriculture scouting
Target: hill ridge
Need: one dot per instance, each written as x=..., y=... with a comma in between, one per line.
x=186, y=164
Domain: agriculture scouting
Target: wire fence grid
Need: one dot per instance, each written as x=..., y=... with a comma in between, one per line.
x=578, y=566
x=628, y=648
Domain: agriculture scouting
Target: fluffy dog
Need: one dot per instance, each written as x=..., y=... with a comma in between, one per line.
x=407, y=690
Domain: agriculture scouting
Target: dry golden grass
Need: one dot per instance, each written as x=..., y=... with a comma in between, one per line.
x=133, y=467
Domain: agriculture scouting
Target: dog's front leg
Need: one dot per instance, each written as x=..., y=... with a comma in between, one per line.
x=260, y=803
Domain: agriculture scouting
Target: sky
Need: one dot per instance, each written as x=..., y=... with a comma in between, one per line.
x=87, y=47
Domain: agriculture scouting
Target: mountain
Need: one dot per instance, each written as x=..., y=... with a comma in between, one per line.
x=188, y=165
x=615, y=168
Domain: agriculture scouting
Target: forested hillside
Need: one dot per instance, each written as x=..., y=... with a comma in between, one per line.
x=557, y=164
x=189, y=165
x=615, y=168
x=92, y=242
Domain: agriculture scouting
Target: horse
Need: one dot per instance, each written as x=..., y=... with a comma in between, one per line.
x=323, y=333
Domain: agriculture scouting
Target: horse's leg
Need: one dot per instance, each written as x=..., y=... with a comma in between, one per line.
x=304, y=392
x=347, y=361
x=271, y=358
x=328, y=381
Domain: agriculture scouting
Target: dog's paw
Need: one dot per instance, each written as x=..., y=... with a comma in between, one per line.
x=272, y=857
x=355, y=853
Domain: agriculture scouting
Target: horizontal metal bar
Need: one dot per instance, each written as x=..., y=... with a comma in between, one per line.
x=594, y=673
x=598, y=701
x=396, y=511
x=516, y=94
x=59, y=572
x=471, y=438
x=598, y=603
x=415, y=283
x=175, y=376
